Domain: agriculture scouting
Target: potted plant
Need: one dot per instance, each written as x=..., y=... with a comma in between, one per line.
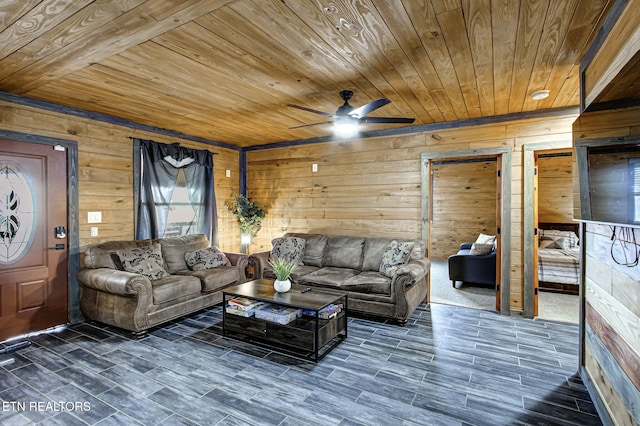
x=283, y=269
x=249, y=215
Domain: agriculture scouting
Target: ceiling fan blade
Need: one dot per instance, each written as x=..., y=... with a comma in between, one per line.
x=367, y=108
x=313, y=124
x=315, y=111
x=399, y=120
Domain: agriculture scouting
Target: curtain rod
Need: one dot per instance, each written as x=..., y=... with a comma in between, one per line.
x=175, y=143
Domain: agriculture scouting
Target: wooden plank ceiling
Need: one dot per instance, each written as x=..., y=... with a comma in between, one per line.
x=226, y=69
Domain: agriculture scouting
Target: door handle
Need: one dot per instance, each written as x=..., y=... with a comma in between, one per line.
x=57, y=247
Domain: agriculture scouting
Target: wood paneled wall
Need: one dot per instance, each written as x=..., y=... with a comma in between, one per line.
x=464, y=204
x=373, y=186
x=612, y=293
x=555, y=189
x=105, y=172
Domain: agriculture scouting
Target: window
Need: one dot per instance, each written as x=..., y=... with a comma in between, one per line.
x=182, y=215
x=175, y=191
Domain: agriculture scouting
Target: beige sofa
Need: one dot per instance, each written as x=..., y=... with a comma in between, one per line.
x=352, y=264
x=131, y=301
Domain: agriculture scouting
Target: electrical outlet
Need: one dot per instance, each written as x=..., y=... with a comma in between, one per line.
x=94, y=231
x=228, y=174
x=94, y=217
x=314, y=167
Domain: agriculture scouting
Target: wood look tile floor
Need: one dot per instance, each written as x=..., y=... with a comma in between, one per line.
x=448, y=366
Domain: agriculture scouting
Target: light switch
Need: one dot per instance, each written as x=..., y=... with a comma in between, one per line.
x=94, y=217
x=314, y=167
x=228, y=173
x=94, y=231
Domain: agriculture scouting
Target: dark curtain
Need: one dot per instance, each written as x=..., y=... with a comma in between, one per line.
x=158, y=175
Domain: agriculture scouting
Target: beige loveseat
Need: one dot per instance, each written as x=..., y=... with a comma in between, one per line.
x=111, y=295
x=352, y=264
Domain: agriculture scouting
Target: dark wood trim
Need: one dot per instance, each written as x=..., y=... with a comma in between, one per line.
x=547, y=113
x=243, y=172
x=614, y=14
x=625, y=356
x=73, y=216
x=105, y=118
x=617, y=104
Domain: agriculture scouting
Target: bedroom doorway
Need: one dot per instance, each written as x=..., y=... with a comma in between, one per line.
x=446, y=178
x=550, y=234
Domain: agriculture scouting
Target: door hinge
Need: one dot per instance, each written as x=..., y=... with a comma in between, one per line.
x=499, y=173
x=535, y=291
x=498, y=231
x=535, y=171
x=535, y=231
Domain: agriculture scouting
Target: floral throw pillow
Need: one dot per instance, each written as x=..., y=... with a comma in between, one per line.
x=288, y=248
x=145, y=261
x=395, y=255
x=206, y=258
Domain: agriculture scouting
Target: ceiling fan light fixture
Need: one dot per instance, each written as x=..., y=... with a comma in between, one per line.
x=345, y=127
x=539, y=95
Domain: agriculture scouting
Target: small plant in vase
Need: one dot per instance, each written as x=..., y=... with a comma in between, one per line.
x=282, y=268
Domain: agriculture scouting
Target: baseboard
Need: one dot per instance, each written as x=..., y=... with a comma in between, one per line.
x=595, y=397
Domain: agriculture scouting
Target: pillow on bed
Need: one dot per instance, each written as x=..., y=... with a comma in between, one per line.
x=567, y=240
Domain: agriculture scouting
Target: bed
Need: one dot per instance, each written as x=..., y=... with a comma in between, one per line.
x=558, y=257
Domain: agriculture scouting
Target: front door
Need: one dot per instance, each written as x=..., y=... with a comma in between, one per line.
x=33, y=242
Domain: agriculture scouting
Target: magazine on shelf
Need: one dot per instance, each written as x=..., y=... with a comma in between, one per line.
x=243, y=306
x=328, y=312
x=278, y=314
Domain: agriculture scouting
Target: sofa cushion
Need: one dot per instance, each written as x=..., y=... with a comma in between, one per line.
x=174, y=248
x=344, y=252
x=369, y=282
x=329, y=276
x=174, y=287
x=145, y=261
x=314, y=247
x=372, y=256
x=296, y=275
x=215, y=279
x=104, y=255
x=206, y=258
x=395, y=255
x=288, y=248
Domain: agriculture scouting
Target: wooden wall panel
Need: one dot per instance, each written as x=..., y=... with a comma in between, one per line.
x=373, y=186
x=464, y=204
x=555, y=189
x=612, y=291
x=105, y=174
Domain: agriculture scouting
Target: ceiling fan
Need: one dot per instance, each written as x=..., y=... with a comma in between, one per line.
x=347, y=118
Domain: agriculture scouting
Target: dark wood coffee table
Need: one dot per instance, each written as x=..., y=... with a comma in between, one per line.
x=308, y=337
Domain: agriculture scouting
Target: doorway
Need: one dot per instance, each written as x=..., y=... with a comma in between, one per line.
x=551, y=254
x=433, y=231
x=39, y=233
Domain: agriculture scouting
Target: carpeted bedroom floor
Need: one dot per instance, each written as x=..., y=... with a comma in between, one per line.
x=551, y=306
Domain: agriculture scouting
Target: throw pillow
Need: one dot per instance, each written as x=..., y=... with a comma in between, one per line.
x=145, y=261
x=288, y=248
x=395, y=255
x=551, y=243
x=567, y=240
x=480, y=249
x=486, y=239
x=206, y=258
